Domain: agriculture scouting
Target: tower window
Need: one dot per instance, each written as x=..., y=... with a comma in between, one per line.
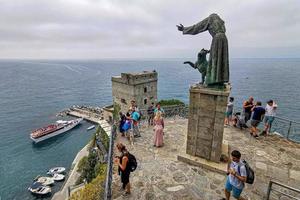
x=145, y=101
x=145, y=89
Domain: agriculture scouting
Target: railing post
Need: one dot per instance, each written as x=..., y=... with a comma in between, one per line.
x=269, y=190
x=108, y=193
x=289, y=130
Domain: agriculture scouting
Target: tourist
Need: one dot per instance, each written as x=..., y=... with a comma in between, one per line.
x=236, y=178
x=271, y=108
x=258, y=113
x=238, y=121
x=158, y=108
x=134, y=105
x=229, y=111
x=158, y=129
x=150, y=112
x=127, y=128
x=247, y=106
x=135, y=122
x=121, y=123
x=123, y=169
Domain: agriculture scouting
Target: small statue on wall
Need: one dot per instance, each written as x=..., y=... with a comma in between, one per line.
x=201, y=64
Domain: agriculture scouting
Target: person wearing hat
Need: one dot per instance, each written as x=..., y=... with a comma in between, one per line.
x=271, y=108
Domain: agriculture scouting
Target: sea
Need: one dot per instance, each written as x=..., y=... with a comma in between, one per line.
x=32, y=92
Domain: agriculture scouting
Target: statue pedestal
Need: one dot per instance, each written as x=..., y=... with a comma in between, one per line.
x=206, y=122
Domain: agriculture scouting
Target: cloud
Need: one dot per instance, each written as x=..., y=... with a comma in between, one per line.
x=139, y=28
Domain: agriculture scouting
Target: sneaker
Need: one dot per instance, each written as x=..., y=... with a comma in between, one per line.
x=125, y=194
x=255, y=136
x=137, y=136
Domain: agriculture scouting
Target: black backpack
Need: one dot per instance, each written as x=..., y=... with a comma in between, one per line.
x=249, y=171
x=132, y=164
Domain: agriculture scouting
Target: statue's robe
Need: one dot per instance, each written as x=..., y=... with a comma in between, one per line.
x=218, y=64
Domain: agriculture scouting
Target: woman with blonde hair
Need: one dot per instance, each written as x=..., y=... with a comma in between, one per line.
x=158, y=129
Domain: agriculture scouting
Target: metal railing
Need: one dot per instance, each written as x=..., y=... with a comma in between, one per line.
x=181, y=111
x=108, y=182
x=282, y=190
x=286, y=128
x=282, y=126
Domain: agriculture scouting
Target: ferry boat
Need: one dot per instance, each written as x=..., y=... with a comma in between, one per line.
x=52, y=130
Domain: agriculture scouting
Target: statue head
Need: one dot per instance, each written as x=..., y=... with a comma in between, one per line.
x=202, y=54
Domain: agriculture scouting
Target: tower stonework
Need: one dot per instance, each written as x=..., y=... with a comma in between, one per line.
x=141, y=87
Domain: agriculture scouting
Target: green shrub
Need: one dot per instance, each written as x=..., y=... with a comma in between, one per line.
x=170, y=102
x=93, y=190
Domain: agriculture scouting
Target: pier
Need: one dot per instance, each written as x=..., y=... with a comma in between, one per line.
x=91, y=114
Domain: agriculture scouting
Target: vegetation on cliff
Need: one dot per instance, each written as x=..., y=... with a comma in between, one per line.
x=92, y=169
x=170, y=102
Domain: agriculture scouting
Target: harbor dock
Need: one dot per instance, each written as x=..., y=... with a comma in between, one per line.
x=91, y=114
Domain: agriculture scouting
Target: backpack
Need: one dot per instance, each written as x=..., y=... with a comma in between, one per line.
x=140, y=115
x=132, y=164
x=250, y=173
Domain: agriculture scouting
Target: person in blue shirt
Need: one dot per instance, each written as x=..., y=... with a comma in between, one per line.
x=135, y=116
x=236, y=178
x=258, y=113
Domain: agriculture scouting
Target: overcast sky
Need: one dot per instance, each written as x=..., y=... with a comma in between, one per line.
x=97, y=29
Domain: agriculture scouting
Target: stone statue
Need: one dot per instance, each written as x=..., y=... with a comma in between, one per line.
x=218, y=64
x=201, y=63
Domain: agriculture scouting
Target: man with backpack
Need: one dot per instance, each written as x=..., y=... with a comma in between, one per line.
x=237, y=176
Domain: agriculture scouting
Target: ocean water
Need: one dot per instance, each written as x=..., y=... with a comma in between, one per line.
x=33, y=91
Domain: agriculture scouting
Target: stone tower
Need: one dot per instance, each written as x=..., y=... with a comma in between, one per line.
x=141, y=87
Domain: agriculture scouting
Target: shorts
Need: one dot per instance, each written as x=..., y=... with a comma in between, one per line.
x=254, y=122
x=236, y=193
x=124, y=178
x=269, y=120
x=228, y=114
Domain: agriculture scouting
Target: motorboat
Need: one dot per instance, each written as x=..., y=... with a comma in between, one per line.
x=52, y=130
x=58, y=177
x=91, y=127
x=39, y=189
x=46, y=181
x=56, y=170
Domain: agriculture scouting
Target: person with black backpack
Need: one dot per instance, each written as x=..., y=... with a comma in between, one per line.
x=126, y=164
x=123, y=169
x=237, y=176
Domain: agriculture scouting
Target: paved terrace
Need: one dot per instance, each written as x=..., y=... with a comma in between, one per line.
x=160, y=176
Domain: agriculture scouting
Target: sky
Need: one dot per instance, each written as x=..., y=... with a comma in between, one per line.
x=104, y=29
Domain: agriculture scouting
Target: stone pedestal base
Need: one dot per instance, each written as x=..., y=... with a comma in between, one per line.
x=206, y=122
x=206, y=164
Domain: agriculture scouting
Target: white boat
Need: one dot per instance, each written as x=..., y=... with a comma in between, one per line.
x=56, y=170
x=39, y=189
x=46, y=181
x=90, y=128
x=58, y=177
x=52, y=130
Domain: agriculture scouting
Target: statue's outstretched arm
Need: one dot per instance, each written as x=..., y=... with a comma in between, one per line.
x=190, y=63
x=180, y=27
